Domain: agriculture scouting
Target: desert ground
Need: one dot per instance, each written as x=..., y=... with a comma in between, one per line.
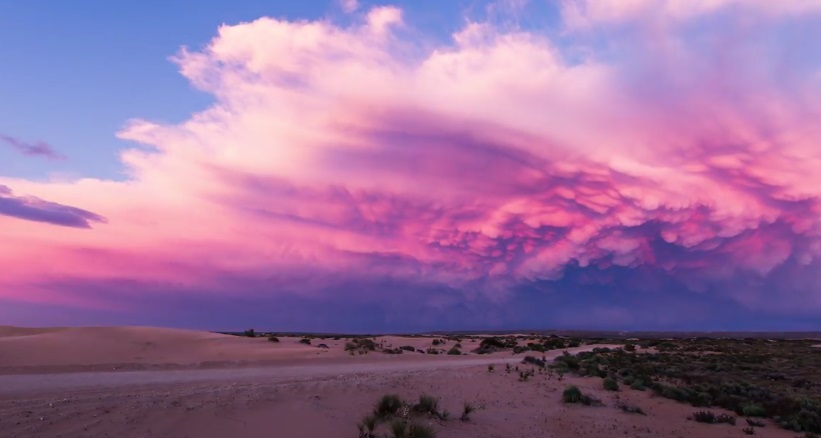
x=152, y=382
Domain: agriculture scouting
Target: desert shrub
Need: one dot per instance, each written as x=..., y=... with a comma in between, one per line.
x=437, y=342
x=305, y=341
x=748, y=431
x=399, y=428
x=727, y=419
x=524, y=375
x=630, y=409
x=494, y=344
x=567, y=361
x=272, y=338
x=629, y=347
x=637, y=385
x=432, y=350
x=711, y=418
x=388, y=406
x=467, y=409
x=454, y=352
x=360, y=345
x=610, y=384
x=572, y=394
x=536, y=347
x=367, y=426
x=754, y=410
x=417, y=430
x=249, y=333
x=534, y=361
x=755, y=423
x=407, y=348
x=807, y=419
x=490, y=368
x=704, y=417
x=427, y=404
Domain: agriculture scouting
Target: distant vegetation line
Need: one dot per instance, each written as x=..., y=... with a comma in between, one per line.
x=589, y=334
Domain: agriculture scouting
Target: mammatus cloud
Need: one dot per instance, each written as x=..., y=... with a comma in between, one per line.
x=37, y=210
x=498, y=178
x=37, y=149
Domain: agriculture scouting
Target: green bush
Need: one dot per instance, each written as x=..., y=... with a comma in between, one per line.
x=427, y=404
x=388, y=406
x=399, y=428
x=367, y=426
x=610, y=384
x=417, y=430
x=637, y=385
x=754, y=410
x=572, y=394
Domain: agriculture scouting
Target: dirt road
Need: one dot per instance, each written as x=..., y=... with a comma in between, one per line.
x=38, y=384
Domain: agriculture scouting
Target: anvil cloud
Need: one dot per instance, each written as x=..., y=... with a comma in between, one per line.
x=651, y=164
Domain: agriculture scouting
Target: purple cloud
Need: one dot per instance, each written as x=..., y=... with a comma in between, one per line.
x=36, y=149
x=38, y=210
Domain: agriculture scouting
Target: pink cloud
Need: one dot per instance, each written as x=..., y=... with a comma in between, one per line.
x=588, y=13
x=483, y=164
x=349, y=6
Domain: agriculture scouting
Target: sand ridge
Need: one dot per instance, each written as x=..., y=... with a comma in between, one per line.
x=90, y=346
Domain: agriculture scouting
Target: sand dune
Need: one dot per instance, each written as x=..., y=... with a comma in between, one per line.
x=88, y=346
x=133, y=348
x=7, y=331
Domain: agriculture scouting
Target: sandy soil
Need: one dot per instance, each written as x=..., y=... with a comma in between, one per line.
x=255, y=388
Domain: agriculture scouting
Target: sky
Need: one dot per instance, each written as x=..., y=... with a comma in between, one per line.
x=369, y=166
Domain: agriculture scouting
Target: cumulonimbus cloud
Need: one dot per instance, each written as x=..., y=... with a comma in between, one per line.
x=489, y=164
